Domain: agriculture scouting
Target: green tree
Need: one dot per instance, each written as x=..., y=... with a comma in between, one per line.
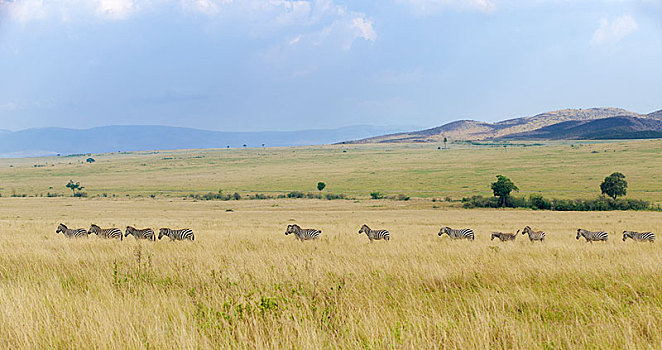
x=320, y=186
x=90, y=160
x=74, y=186
x=376, y=195
x=502, y=188
x=614, y=185
x=445, y=140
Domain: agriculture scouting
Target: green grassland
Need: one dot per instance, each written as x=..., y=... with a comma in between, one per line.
x=244, y=284
x=561, y=170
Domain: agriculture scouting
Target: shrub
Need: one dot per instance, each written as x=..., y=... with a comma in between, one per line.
x=331, y=196
x=537, y=201
x=402, y=197
x=296, y=194
x=376, y=195
x=480, y=202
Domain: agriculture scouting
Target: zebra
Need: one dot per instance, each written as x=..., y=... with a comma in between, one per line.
x=534, y=235
x=106, y=232
x=71, y=232
x=303, y=234
x=375, y=234
x=504, y=236
x=146, y=233
x=639, y=236
x=592, y=236
x=465, y=233
x=177, y=235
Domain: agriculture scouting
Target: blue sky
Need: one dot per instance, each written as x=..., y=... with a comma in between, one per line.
x=286, y=65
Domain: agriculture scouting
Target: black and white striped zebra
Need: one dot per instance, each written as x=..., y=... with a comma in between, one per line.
x=177, y=235
x=534, y=235
x=504, y=237
x=639, y=236
x=146, y=233
x=375, y=235
x=71, y=232
x=113, y=232
x=303, y=234
x=465, y=233
x=592, y=236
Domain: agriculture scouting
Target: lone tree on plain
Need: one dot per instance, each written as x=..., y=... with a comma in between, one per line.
x=614, y=185
x=502, y=188
x=445, y=140
x=74, y=186
x=320, y=186
x=90, y=160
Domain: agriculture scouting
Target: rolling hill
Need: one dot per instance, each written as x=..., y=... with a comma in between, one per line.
x=52, y=141
x=561, y=124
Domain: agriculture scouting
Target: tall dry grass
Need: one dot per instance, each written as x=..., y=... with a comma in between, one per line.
x=244, y=284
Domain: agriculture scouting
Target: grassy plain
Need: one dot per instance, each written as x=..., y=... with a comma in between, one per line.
x=561, y=170
x=244, y=284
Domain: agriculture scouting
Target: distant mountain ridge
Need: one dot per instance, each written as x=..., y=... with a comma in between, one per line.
x=561, y=124
x=52, y=141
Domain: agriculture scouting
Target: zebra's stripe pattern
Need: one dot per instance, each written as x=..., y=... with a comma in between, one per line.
x=375, y=235
x=465, y=233
x=177, y=235
x=592, y=236
x=71, y=232
x=534, y=235
x=302, y=234
x=504, y=237
x=639, y=236
x=146, y=233
x=106, y=232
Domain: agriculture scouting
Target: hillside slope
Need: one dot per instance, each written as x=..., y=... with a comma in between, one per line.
x=620, y=127
x=475, y=130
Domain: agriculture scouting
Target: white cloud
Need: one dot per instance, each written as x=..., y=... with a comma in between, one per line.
x=207, y=7
x=426, y=7
x=26, y=11
x=364, y=28
x=115, y=9
x=317, y=19
x=611, y=32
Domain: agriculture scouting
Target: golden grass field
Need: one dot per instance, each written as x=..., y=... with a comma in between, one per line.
x=243, y=284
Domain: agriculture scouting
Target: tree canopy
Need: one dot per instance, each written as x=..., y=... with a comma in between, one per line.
x=74, y=186
x=502, y=188
x=614, y=185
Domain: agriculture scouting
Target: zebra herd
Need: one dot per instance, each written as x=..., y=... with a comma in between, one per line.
x=468, y=234
x=147, y=233
x=302, y=234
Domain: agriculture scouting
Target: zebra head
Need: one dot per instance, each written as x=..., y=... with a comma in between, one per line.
x=526, y=230
x=129, y=230
x=61, y=228
x=291, y=229
x=364, y=229
x=443, y=230
x=579, y=233
x=494, y=234
x=163, y=232
x=94, y=229
x=627, y=234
